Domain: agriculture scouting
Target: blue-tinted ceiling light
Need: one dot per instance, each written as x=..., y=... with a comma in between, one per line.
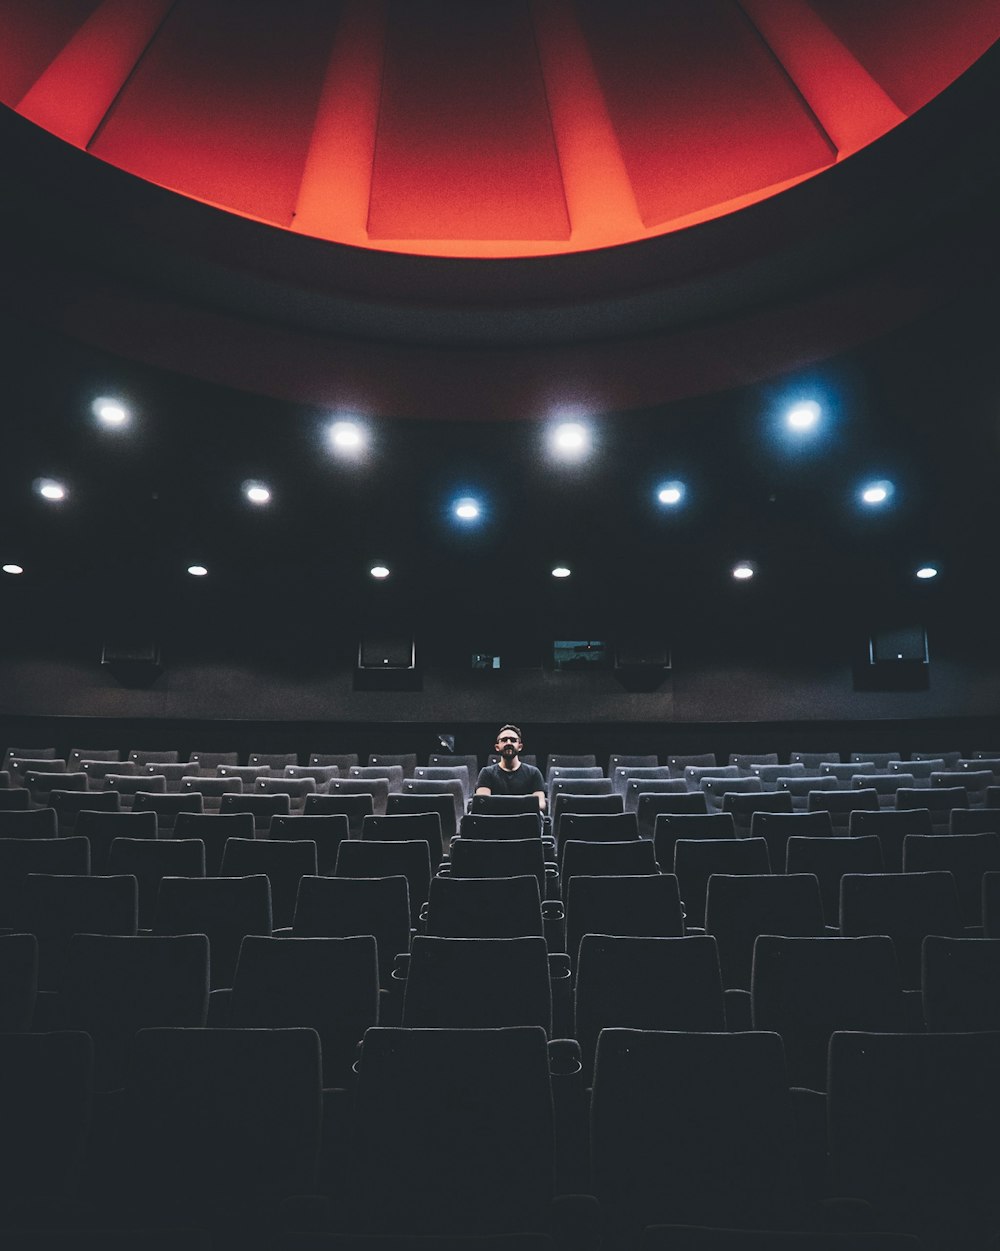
x=803, y=417
x=467, y=509
x=744, y=570
x=874, y=494
x=670, y=494
x=926, y=572
x=49, y=489
x=570, y=440
x=111, y=413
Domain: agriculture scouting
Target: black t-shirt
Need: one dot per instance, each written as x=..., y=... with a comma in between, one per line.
x=524, y=780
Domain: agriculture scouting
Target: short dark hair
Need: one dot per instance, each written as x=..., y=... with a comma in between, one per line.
x=515, y=729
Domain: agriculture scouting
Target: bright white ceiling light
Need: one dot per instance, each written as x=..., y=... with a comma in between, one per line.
x=670, y=494
x=13, y=569
x=926, y=572
x=49, y=489
x=744, y=570
x=561, y=571
x=803, y=417
x=875, y=493
x=467, y=509
x=257, y=493
x=570, y=440
x=379, y=571
x=110, y=413
x=348, y=438
x=197, y=571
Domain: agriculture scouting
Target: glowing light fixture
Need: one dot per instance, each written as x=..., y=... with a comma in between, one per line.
x=467, y=509
x=803, y=417
x=197, y=571
x=49, y=489
x=13, y=569
x=561, y=571
x=744, y=570
x=348, y=438
x=110, y=413
x=926, y=572
x=379, y=571
x=257, y=493
x=570, y=440
x=875, y=493
x=670, y=494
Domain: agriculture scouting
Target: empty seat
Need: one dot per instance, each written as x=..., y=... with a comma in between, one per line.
x=991, y=905
x=485, y=1163
x=806, y=988
x=261, y=807
x=209, y=761
x=503, y=805
x=828, y=859
x=695, y=860
x=743, y=806
x=846, y=773
x=42, y=786
x=477, y=983
x=950, y=758
x=297, y=789
x=100, y=829
x=407, y=761
x=840, y=804
x=884, y=784
x=911, y=1120
x=645, y=983
x=735, y=1163
x=18, y=982
x=740, y=907
x=20, y=766
x=129, y=786
x=21, y=856
x=716, y=789
x=891, y=827
x=644, y=906
x=149, y=861
x=28, y=823
x=212, y=790
x=320, y=774
x=880, y=759
x=404, y=859
x=142, y=757
x=438, y=786
x=503, y=857
x=960, y=984
x=800, y=788
x=284, y=864
x=567, y=760
x=939, y=802
x=326, y=984
x=678, y=763
x=393, y=774
x=273, y=760
x=224, y=908
x=919, y=770
x=443, y=804
x=813, y=759
x=500, y=907
x=27, y=753
x=445, y=773
x=636, y=856
x=214, y=831
x=670, y=826
x=378, y=788
x=354, y=807
x=974, y=782
x=965, y=856
x=55, y=907
x=651, y=805
x=172, y=774
x=906, y=906
x=443, y=758
x=744, y=761
x=98, y=770
x=621, y=773
x=556, y=773
x=327, y=832
x=77, y=755
x=342, y=907
x=70, y=805
x=341, y=760
x=981, y=760
x=623, y=760
x=566, y=802
x=776, y=828
x=597, y=827
x=516, y=825
x=14, y=799
x=974, y=821
x=769, y=773
x=248, y=774
x=115, y=986
x=693, y=774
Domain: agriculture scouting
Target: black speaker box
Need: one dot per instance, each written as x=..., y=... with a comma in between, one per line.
x=133, y=663
x=897, y=659
x=387, y=662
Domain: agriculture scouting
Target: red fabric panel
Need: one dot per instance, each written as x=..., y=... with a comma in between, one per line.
x=78, y=88
x=31, y=34
x=913, y=48
x=464, y=148
x=222, y=105
x=703, y=111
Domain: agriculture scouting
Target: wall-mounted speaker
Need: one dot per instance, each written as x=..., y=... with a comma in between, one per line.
x=387, y=662
x=134, y=663
x=897, y=659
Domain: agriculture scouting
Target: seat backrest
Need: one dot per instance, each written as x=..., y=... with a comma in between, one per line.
x=846, y=773
x=906, y=906
x=150, y=860
x=694, y=773
x=25, y=822
x=407, y=761
x=806, y=988
x=409, y=802
x=965, y=856
x=354, y=807
x=295, y=788
x=919, y=770
x=642, y=906
x=116, y=985
x=620, y=774
x=436, y=787
x=284, y=863
x=214, y=831
x=743, y=806
x=567, y=760
x=21, y=856
x=769, y=773
x=393, y=774
x=974, y=782
x=950, y=758
x=636, y=789
x=248, y=774
x=959, y=984
x=564, y=772
x=840, y=804
x=341, y=760
x=814, y=759
x=716, y=789
x=498, y=907
x=445, y=773
x=800, y=788
x=695, y=860
x=622, y=760
x=637, y=856
x=740, y=907
x=503, y=857
x=261, y=807
x=41, y=786
x=651, y=806
x=327, y=832
x=70, y=805
x=18, y=982
x=598, y=827
x=974, y=821
x=74, y=761
x=489, y=825
x=378, y=859
x=776, y=828
x=645, y=983
x=341, y=907
x=828, y=859
x=991, y=905
x=98, y=770
x=143, y=756
x=442, y=758
x=326, y=984
x=670, y=826
x=890, y=827
x=209, y=761
x=502, y=805
x=880, y=759
x=224, y=908
x=378, y=788
x=102, y=828
x=172, y=774
x=27, y=753
x=320, y=774
x=274, y=760
x=20, y=766
x=744, y=761
x=700, y=760
x=574, y=802
x=477, y=983
x=14, y=799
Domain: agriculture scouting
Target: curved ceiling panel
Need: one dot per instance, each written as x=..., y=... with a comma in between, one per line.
x=507, y=128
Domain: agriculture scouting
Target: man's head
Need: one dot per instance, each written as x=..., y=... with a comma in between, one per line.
x=508, y=741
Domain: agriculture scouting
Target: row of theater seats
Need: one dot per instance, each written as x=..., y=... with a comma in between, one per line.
x=831, y=1112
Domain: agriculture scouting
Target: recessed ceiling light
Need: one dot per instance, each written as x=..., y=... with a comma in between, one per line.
x=926, y=572
x=744, y=570
x=875, y=493
x=257, y=492
x=804, y=416
x=379, y=571
x=670, y=494
x=110, y=413
x=348, y=438
x=467, y=509
x=197, y=571
x=561, y=571
x=570, y=440
x=49, y=489
x=14, y=569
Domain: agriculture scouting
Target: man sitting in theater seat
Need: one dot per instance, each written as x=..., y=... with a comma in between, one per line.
x=509, y=776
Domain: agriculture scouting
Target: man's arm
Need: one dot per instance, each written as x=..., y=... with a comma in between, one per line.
x=483, y=790
x=540, y=796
